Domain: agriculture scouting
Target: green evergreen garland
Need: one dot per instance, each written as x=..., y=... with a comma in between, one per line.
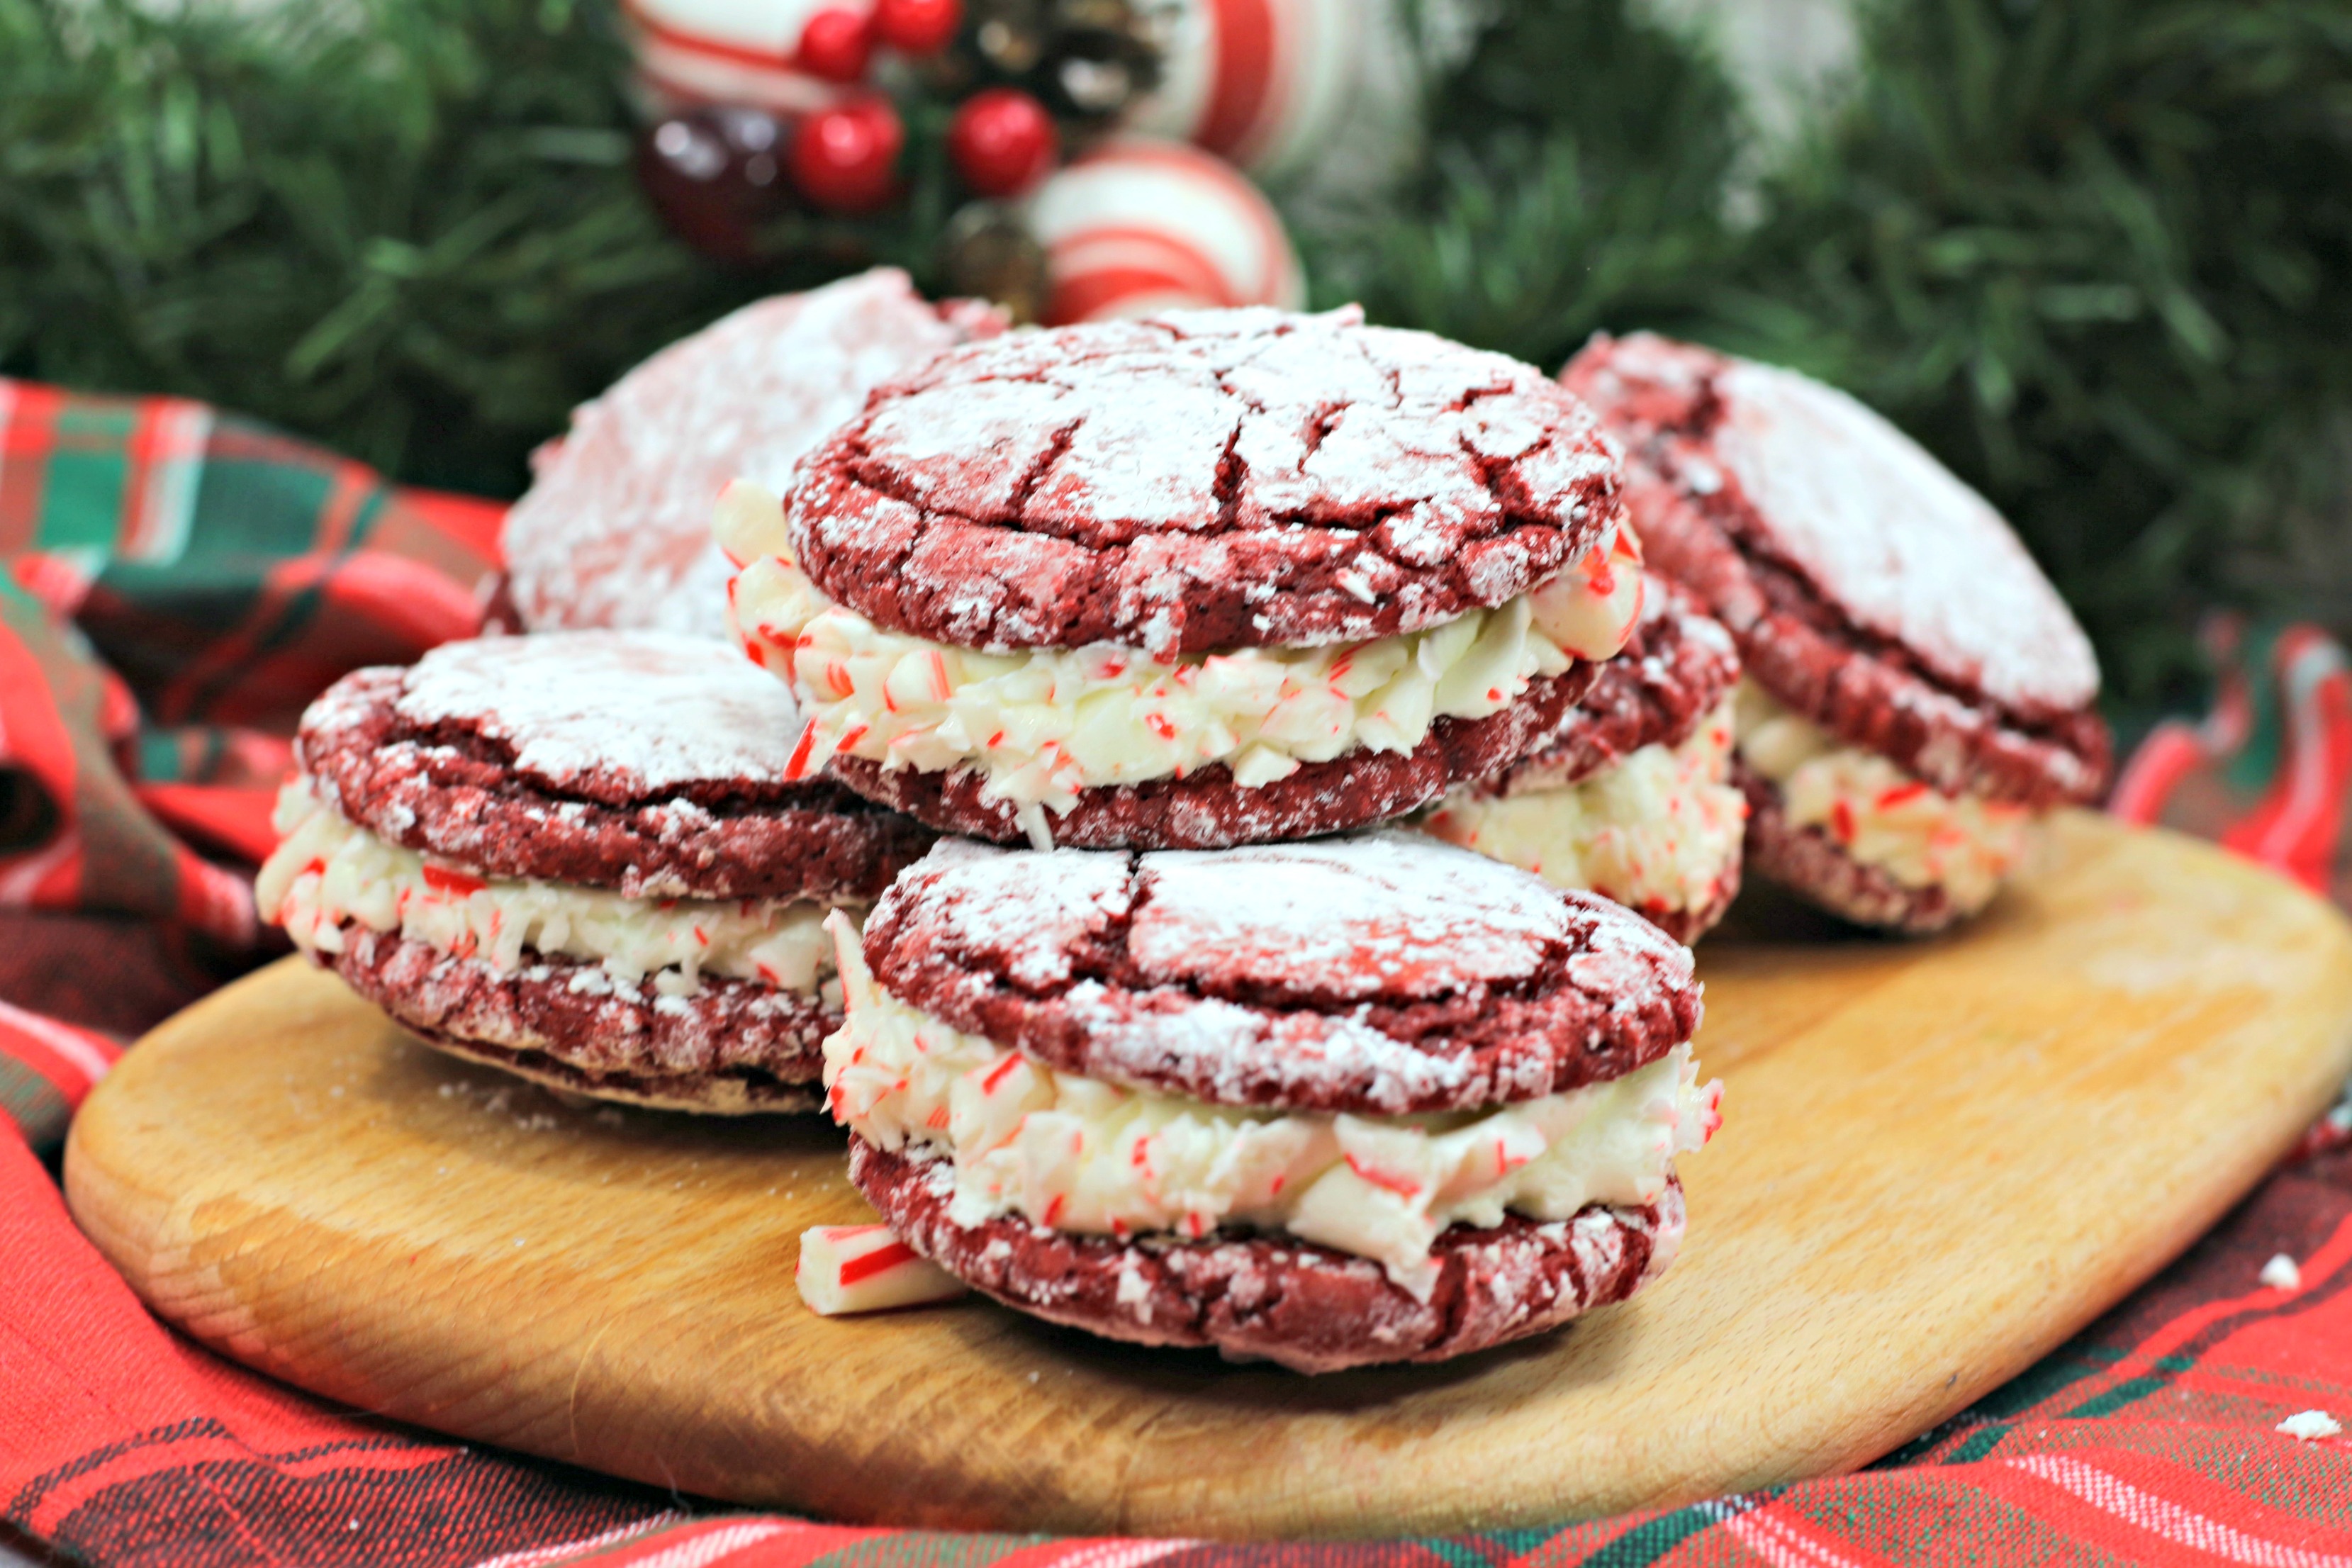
x=2097, y=253
x=2098, y=256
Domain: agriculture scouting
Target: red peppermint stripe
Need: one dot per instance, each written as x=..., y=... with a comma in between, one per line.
x=779, y=58
x=1245, y=83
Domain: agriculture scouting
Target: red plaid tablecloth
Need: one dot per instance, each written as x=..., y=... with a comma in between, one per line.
x=179, y=582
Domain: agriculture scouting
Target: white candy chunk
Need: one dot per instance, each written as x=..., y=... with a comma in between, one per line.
x=1657, y=831
x=866, y=1268
x=2280, y=1273
x=749, y=522
x=1588, y=610
x=2310, y=1426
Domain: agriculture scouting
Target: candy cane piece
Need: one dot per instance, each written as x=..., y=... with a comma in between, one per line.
x=866, y=1268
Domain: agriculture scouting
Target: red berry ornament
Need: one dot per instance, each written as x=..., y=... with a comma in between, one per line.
x=836, y=43
x=918, y=27
x=713, y=173
x=846, y=159
x=1003, y=141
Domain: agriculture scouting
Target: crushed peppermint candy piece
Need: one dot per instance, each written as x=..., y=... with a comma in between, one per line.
x=2280, y=1273
x=2310, y=1426
x=866, y=1268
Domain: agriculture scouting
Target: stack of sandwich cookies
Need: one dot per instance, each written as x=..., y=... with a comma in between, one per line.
x=1206, y=579
x=575, y=856
x=1636, y=802
x=1916, y=695
x=1361, y=1100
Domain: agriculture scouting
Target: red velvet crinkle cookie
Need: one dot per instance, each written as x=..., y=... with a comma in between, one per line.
x=616, y=528
x=1147, y=1092
x=1311, y=1308
x=728, y=1047
x=1110, y=585
x=575, y=855
x=1916, y=693
x=1202, y=481
x=1633, y=799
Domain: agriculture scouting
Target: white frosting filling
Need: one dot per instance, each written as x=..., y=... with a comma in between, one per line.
x=1076, y=1154
x=327, y=870
x=1041, y=724
x=1878, y=814
x=1656, y=831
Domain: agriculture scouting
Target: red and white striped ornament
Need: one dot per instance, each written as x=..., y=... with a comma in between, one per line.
x=1260, y=82
x=1140, y=225
x=691, y=53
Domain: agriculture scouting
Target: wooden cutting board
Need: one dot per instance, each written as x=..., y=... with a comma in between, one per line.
x=1940, y=1160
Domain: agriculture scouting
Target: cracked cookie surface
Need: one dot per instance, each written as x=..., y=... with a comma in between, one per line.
x=1868, y=589
x=650, y=763
x=1199, y=481
x=616, y=528
x=1384, y=973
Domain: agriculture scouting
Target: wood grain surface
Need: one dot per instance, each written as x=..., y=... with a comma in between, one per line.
x=1940, y=1159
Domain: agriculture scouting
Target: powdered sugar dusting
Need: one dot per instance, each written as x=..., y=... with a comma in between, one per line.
x=1202, y=480
x=1381, y=914
x=1385, y=974
x=1215, y=1042
x=1905, y=549
x=1034, y=907
x=615, y=530
x=663, y=709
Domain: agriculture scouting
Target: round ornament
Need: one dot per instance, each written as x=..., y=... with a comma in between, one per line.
x=1262, y=83
x=1003, y=141
x=838, y=44
x=846, y=159
x=1137, y=226
x=716, y=175
x=691, y=53
x=918, y=27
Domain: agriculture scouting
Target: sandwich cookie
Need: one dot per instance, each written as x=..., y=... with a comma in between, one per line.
x=1367, y=1099
x=1634, y=799
x=1208, y=578
x=1916, y=695
x=616, y=528
x=575, y=856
